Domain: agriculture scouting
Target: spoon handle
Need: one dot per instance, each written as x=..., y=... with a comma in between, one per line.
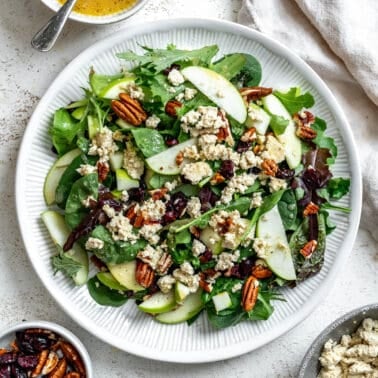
x=45, y=38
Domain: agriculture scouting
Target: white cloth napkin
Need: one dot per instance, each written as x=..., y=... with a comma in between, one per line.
x=338, y=38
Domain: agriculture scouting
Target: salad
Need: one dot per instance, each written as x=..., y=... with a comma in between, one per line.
x=188, y=187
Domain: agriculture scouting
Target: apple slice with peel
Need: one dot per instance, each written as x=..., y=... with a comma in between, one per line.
x=125, y=274
x=165, y=162
x=59, y=233
x=181, y=292
x=258, y=118
x=124, y=181
x=290, y=141
x=159, y=303
x=55, y=174
x=212, y=240
x=108, y=280
x=113, y=89
x=222, y=301
x=270, y=228
x=218, y=89
x=192, y=306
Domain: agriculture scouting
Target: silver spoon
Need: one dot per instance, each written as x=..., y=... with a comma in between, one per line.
x=45, y=39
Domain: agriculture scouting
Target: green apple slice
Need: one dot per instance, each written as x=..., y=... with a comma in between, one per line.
x=55, y=174
x=108, y=280
x=218, y=89
x=181, y=292
x=290, y=141
x=78, y=113
x=159, y=303
x=165, y=162
x=125, y=274
x=222, y=301
x=270, y=228
x=123, y=124
x=124, y=181
x=212, y=240
x=192, y=306
x=59, y=233
x=116, y=160
x=260, y=119
x=93, y=126
x=113, y=89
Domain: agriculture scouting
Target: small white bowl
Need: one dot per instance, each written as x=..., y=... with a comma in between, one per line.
x=8, y=335
x=108, y=19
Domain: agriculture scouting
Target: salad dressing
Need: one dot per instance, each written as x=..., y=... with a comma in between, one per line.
x=101, y=7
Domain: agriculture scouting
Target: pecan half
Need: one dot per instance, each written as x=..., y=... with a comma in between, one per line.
x=261, y=272
x=129, y=109
x=103, y=170
x=310, y=209
x=158, y=194
x=249, y=293
x=306, y=132
x=217, y=179
x=249, y=135
x=144, y=274
x=172, y=106
x=203, y=284
x=222, y=134
x=269, y=167
x=196, y=231
x=258, y=149
x=72, y=374
x=179, y=158
x=304, y=118
x=42, y=358
x=164, y=263
x=50, y=364
x=255, y=93
x=60, y=369
x=309, y=248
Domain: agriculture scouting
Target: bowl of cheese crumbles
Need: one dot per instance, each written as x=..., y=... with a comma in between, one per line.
x=346, y=348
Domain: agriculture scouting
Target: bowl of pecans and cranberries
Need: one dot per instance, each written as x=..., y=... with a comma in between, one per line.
x=42, y=349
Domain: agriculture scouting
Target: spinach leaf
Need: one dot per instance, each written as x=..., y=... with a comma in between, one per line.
x=305, y=267
x=64, y=263
x=188, y=189
x=99, y=82
x=329, y=225
x=157, y=181
x=182, y=254
x=190, y=321
x=263, y=309
x=115, y=252
x=83, y=144
x=329, y=206
x=224, y=321
x=230, y=65
x=294, y=101
x=149, y=141
x=338, y=187
x=81, y=189
x=183, y=237
x=63, y=131
x=69, y=176
x=198, y=100
x=287, y=207
x=103, y=295
x=250, y=74
x=159, y=59
x=278, y=124
x=324, y=141
x=237, y=128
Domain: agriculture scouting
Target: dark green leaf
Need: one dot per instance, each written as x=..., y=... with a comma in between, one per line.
x=230, y=65
x=324, y=141
x=157, y=181
x=183, y=237
x=329, y=225
x=103, y=295
x=116, y=252
x=294, y=101
x=278, y=124
x=149, y=141
x=263, y=309
x=338, y=187
x=83, y=188
x=287, y=207
x=99, y=82
x=329, y=206
x=237, y=128
x=250, y=74
x=65, y=264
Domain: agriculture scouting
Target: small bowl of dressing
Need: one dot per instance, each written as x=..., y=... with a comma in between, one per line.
x=99, y=11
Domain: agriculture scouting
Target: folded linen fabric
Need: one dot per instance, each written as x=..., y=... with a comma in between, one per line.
x=338, y=39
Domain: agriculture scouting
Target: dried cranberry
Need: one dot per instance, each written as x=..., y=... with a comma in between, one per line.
x=170, y=68
x=245, y=268
x=169, y=217
x=5, y=371
x=254, y=170
x=136, y=194
x=8, y=358
x=171, y=141
x=27, y=362
x=179, y=202
x=243, y=146
x=227, y=169
x=285, y=173
x=207, y=198
x=206, y=256
x=17, y=372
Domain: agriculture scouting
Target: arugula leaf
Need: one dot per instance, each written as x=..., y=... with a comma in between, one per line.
x=64, y=263
x=237, y=128
x=81, y=189
x=263, y=309
x=338, y=187
x=156, y=89
x=63, y=131
x=198, y=100
x=183, y=237
x=116, y=252
x=149, y=141
x=324, y=141
x=159, y=59
x=250, y=75
x=103, y=295
x=329, y=225
x=329, y=206
x=99, y=82
x=278, y=124
x=182, y=254
x=287, y=207
x=230, y=65
x=157, y=181
x=294, y=101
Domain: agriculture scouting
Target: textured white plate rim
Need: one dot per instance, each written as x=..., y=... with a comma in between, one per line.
x=356, y=191
x=64, y=332
x=98, y=20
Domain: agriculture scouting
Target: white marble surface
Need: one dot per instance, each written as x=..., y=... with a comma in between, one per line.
x=24, y=76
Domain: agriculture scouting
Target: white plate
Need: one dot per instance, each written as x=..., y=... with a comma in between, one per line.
x=106, y=19
x=126, y=327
